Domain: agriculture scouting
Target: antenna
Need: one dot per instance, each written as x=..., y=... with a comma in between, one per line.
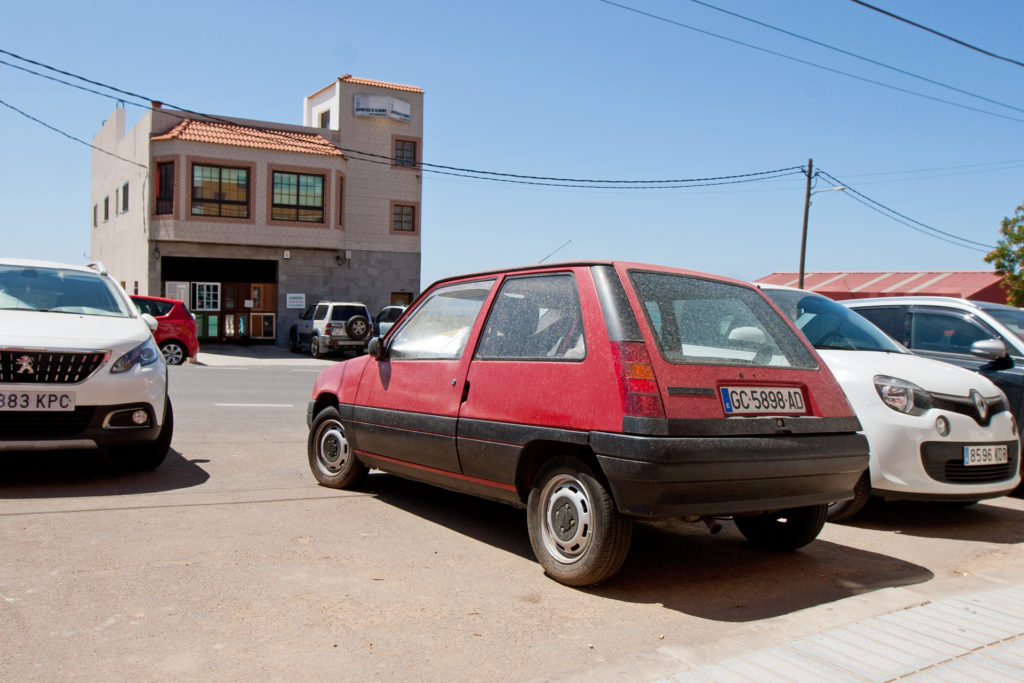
x=554, y=252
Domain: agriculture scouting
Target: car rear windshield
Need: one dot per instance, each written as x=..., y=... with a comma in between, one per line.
x=707, y=322
x=59, y=290
x=346, y=312
x=830, y=325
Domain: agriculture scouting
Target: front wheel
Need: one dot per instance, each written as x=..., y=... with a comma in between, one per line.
x=785, y=529
x=148, y=456
x=577, y=534
x=314, y=347
x=330, y=456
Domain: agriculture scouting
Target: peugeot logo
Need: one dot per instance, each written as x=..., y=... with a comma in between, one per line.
x=979, y=403
x=25, y=365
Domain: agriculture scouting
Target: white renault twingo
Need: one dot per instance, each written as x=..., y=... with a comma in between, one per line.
x=935, y=432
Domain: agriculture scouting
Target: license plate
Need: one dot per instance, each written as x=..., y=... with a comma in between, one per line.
x=37, y=400
x=986, y=455
x=755, y=400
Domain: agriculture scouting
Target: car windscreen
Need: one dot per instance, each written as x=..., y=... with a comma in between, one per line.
x=709, y=322
x=59, y=290
x=830, y=325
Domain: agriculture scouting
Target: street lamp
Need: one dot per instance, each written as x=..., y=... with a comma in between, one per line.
x=807, y=208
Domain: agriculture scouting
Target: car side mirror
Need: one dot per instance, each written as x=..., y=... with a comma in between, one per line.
x=993, y=350
x=150, y=321
x=376, y=348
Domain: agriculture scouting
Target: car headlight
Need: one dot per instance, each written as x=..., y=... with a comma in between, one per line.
x=143, y=354
x=902, y=396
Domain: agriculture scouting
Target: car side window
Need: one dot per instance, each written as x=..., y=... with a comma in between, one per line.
x=321, y=312
x=942, y=332
x=535, y=318
x=142, y=305
x=439, y=327
x=889, y=319
x=159, y=308
x=308, y=313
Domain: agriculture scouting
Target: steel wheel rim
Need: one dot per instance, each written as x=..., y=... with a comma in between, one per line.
x=172, y=354
x=358, y=328
x=332, y=449
x=567, y=527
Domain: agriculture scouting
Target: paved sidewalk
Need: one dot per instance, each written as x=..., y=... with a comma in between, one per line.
x=233, y=355
x=977, y=637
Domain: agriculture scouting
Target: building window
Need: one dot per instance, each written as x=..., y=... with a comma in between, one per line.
x=95, y=215
x=106, y=209
x=403, y=218
x=298, y=197
x=220, y=191
x=405, y=152
x=205, y=296
x=165, y=187
x=341, y=202
x=325, y=119
x=117, y=200
x=124, y=198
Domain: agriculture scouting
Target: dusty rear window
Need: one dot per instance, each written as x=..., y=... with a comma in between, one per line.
x=716, y=323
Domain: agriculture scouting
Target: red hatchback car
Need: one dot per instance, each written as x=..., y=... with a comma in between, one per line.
x=176, y=327
x=594, y=394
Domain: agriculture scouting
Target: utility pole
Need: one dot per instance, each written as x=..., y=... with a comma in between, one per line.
x=807, y=208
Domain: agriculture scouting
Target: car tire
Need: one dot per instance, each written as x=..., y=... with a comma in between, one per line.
x=293, y=341
x=314, y=347
x=148, y=456
x=331, y=458
x=577, y=534
x=174, y=352
x=784, y=530
x=357, y=327
x=843, y=510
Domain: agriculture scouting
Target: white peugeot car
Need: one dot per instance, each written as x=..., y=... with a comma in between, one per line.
x=79, y=367
x=935, y=432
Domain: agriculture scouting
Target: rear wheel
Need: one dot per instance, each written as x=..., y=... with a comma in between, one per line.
x=785, y=529
x=330, y=456
x=174, y=352
x=314, y=347
x=147, y=456
x=577, y=534
x=846, y=509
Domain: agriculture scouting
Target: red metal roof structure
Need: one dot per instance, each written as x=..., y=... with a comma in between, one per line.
x=980, y=285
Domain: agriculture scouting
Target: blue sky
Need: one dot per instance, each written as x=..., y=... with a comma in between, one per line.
x=573, y=89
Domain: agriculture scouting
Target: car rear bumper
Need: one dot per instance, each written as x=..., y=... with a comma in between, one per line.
x=673, y=477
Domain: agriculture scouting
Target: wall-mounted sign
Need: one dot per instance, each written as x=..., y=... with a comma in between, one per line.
x=382, y=106
x=295, y=300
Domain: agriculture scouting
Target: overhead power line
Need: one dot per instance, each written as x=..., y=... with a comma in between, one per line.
x=860, y=57
x=812, y=64
x=938, y=33
x=903, y=219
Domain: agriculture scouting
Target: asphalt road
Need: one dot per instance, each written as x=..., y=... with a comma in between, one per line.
x=230, y=563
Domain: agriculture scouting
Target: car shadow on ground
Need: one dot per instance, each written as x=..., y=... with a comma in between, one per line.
x=983, y=522
x=681, y=566
x=64, y=474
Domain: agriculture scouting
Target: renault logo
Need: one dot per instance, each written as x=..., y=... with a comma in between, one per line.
x=979, y=403
x=25, y=365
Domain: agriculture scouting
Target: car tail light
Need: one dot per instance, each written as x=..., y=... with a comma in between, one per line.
x=641, y=396
x=327, y=329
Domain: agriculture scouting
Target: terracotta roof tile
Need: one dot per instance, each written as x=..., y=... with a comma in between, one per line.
x=245, y=136
x=349, y=78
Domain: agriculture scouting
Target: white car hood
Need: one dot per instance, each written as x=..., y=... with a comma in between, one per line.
x=71, y=331
x=931, y=375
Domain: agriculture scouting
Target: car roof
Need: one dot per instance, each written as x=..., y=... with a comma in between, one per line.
x=94, y=267
x=934, y=300
x=340, y=303
x=629, y=265
x=156, y=298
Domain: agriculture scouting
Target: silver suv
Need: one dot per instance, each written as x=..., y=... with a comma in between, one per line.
x=332, y=326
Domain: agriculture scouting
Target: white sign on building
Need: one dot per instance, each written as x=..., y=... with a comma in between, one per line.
x=382, y=106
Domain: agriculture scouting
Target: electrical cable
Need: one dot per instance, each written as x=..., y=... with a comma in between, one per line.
x=813, y=64
x=860, y=57
x=938, y=33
